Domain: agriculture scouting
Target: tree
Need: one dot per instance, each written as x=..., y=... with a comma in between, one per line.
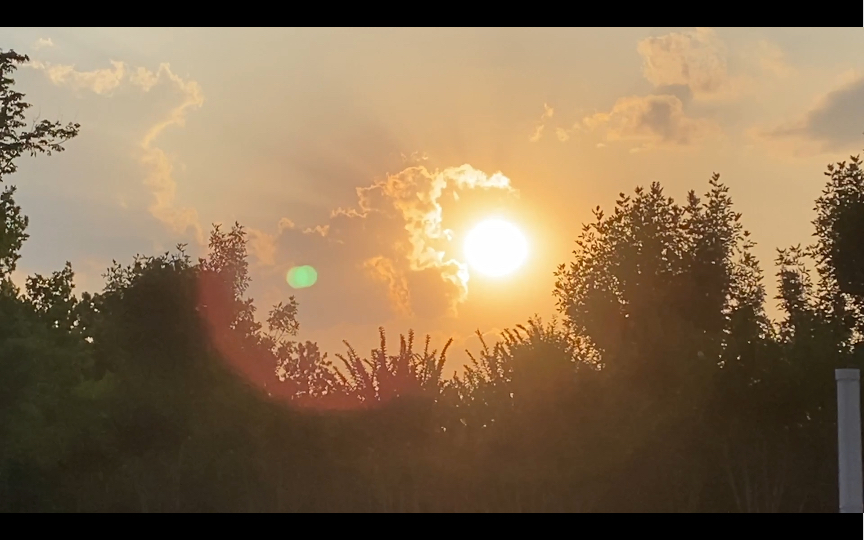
x=655, y=291
x=44, y=373
x=16, y=139
x=839, y=251
x=654, y=286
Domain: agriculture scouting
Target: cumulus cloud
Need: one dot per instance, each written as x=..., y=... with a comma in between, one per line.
x=414, y=194
x=696, y=59
x=835, y=123
x=395, y=238
x=699, y=61
x=654, y=120
x=548, y=112
x=682, y=67
x=160, y=174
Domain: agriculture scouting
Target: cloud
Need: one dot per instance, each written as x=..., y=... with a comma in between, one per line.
x=682, y=67
x=100, y=81
x=699, y=61
x=696, y=59
x=548, y=112
x=43, y=43
x=393, y=238
x=578, y=128
x=563, y=134
x=160, y=178
x=656, y=120
x=834, y=123
x=262, y=246
x=160, y=169
x=414, y=194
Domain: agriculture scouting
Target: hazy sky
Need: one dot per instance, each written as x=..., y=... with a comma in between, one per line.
x=354, y=151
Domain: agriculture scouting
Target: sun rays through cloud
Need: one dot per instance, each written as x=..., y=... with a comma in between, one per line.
x=397, y=234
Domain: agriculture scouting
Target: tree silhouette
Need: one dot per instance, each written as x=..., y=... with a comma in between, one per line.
x=384, y=377
x=840, y=225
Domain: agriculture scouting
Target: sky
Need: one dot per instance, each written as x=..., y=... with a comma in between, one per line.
x=370, y=154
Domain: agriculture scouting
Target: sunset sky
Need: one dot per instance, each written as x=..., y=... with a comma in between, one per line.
x=369, y=154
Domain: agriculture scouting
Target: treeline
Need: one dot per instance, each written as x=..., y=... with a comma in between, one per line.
x=665, y=387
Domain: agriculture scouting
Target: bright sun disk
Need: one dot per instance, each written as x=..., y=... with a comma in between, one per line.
x=496, y=248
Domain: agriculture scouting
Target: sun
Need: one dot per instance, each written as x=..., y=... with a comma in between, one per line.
x=496, y=248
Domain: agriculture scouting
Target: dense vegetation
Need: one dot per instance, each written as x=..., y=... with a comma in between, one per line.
x=665, y=387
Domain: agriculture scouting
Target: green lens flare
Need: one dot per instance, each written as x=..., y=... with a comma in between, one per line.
x=301, y=277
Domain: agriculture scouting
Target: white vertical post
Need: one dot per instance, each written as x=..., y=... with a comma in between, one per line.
x=849, y=440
